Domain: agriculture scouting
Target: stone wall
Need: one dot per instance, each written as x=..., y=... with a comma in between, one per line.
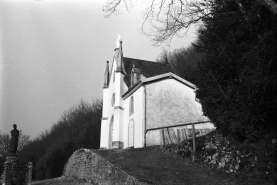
x=84, y=164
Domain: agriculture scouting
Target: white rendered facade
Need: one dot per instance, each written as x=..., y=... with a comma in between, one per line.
x=157, y=101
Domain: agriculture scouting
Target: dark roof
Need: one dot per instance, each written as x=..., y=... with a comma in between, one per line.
x=147, y=68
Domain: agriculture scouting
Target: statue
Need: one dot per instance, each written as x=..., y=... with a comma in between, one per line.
x=14, y=140
x=118, y=41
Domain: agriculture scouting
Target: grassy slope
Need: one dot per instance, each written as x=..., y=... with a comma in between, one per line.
x=154, y=166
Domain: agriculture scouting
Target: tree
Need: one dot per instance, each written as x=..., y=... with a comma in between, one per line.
x=23, y=140
x=79, y=127
x=238, y=73
x=184, y=61
x=5, y=142
x=170, y=18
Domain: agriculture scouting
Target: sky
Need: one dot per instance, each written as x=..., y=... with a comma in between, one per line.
x=53, y=53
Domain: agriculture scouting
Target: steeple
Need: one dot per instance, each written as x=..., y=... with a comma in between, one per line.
x=119, y=56
x=106, y=76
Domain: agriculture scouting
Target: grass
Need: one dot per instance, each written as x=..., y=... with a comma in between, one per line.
x=155, y=166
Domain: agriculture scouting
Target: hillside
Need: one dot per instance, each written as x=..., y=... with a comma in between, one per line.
x=151, y=165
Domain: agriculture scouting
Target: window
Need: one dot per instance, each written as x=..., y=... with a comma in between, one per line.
x=131, y=106
x=113, y=99
x=131, y=133
x=113, y=76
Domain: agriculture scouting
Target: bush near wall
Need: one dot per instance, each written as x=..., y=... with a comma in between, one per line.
x=226, y=154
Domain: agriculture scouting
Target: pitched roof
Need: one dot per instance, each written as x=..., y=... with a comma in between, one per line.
x=154, y=79
x=147, y=68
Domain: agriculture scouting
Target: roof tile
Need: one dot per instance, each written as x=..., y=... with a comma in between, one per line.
x=147, y=68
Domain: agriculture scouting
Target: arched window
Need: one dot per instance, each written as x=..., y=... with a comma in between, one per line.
x=131, y=133
x=131, y=106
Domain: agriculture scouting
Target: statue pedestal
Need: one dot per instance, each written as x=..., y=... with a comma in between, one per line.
x=9, y=175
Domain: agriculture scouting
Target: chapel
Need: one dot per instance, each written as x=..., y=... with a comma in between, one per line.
x=140, y=98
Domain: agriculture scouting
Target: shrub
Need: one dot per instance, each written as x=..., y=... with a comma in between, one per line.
x=229, y=155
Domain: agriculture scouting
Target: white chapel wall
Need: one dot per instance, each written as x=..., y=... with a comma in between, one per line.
x=111, y=111
x=169, y=102
x=137, y=116
x=105, y=122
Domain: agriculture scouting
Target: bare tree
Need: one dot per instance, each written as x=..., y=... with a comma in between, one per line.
x=270, y=5
x=4, y=143
x=23, y=140
x=170, y=18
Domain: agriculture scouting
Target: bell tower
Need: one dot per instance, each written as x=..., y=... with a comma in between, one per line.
x=113, y=108
x=119, y=90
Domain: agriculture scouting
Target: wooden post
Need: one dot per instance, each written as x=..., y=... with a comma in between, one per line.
x=172, y=136
x=193, y=143
x=167, y=137
x=162, y=137
x=179, y=136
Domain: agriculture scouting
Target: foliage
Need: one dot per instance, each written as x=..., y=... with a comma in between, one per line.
x=185, y=148
x=23, y=140
x=5, y=142
x=254, y=161
x=237, y=80
x=184, y=61
x=78, y=128
x=228, y=155
x=238, y=74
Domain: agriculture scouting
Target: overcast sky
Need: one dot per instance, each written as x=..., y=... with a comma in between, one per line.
x=53, y=54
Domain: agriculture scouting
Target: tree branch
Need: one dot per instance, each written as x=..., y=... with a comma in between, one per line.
x=270, y=5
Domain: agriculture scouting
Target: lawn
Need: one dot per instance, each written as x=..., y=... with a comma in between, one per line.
x=154, y=165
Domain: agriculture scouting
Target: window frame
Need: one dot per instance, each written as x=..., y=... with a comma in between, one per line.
x=113, y=99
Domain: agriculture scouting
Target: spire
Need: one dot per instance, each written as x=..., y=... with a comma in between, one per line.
x=119, y=56
x=107, y=75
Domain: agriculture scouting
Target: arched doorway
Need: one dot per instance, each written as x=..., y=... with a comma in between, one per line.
x=111, y=134
x=131, y=131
